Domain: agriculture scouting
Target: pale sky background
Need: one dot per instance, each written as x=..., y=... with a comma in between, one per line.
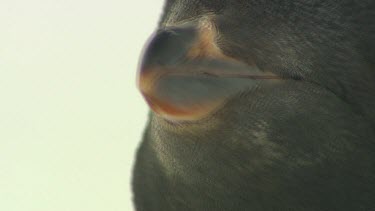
x=70, y=115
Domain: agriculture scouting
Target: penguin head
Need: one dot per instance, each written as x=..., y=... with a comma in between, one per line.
x=268, y=58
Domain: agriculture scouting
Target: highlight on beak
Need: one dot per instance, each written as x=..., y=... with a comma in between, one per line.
x=184, y=76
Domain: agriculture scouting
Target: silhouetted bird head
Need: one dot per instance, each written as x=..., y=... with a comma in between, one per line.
x=261, y=99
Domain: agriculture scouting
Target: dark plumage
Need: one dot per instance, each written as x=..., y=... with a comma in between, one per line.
x=259, y=105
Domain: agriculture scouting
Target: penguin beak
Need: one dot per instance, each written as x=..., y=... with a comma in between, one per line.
x=184, y=76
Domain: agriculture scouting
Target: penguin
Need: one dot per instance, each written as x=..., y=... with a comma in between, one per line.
x=259, y=105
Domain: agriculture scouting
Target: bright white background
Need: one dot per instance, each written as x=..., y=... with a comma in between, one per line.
x=70, y=115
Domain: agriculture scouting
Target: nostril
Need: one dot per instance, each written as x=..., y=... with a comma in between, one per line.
x=168, y=46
